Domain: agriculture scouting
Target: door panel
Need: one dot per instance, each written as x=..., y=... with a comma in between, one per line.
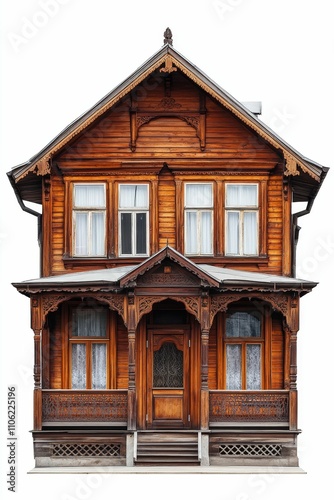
x=168, y=378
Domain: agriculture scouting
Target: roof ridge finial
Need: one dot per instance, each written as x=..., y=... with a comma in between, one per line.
x=168, y=37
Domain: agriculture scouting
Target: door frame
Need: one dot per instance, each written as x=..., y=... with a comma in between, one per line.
x=180, y=336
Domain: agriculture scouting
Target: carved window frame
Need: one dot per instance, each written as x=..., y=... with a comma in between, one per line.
x=90, y=211
x=260, y=209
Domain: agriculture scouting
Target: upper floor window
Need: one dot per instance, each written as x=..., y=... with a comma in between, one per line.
x=89, y=220
x=244, y=346
x=241, y=219
x=89, y=343
x=133, y=219
x=198, y=219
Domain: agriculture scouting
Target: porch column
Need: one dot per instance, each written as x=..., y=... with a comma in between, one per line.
x=204, y=379
x=132, y=363
x=293, y=325
x=36, y=325
x=205, y=329
x=293, y=381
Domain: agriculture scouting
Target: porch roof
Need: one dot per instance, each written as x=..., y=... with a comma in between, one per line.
x=117, y=278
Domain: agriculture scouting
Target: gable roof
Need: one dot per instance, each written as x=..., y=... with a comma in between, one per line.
x=118, y=278
x=296, y=163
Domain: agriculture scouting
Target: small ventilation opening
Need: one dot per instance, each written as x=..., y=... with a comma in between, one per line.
x=86, y=450
x=250, y=450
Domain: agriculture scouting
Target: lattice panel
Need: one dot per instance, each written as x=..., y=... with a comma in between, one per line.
x=250, y=450
x=86, y=450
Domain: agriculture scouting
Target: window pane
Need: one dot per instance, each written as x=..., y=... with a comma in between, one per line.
x=89, y=196
x=89, y=322
x=191, y=233
x=126, y=234
x=81, y=233
x=99, y=366
x=206, y=233
x=133, y=196
x=233, y=367
x=243, y=324
x=232, y=243
x=253, y=367
x=250, y=233
x=78, y=366
x=141, y=233
x=238, y=195
x=98, y=233
x=198, y=195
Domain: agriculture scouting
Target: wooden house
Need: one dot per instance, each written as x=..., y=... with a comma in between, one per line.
x=165, y=319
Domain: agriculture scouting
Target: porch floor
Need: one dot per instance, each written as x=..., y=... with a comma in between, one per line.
x=168, y=470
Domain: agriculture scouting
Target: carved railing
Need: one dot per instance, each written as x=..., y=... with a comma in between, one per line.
x=248, y=406
x=75, y=406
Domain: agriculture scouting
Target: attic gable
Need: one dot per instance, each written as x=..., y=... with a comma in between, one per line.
x=166, y=61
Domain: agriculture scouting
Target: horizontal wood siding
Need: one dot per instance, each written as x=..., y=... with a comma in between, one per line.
x=277, y=355
x=55, y=359
x=275, y=225
x=166, y=207
x=212, y=373
x=122, y=370
x=168, y=135
x=58, y=225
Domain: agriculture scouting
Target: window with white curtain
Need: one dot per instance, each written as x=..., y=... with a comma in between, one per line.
x=89, y=220
x=133, y=219
x=198, y=236
x=241, y=219
x=244, y=345
x=89, y=341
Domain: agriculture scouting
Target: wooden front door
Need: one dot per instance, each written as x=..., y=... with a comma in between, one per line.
x=168, y=378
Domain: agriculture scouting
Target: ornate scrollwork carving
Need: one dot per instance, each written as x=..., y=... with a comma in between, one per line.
x=85, y=406
x=249, y=407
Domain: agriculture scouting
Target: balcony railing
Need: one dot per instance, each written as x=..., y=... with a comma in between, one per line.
x=249, y=407
x=84, y=407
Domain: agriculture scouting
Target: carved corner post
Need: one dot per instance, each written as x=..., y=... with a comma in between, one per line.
x=293, y=325
x=36, y=325
x=132, y=362
x=205, y=329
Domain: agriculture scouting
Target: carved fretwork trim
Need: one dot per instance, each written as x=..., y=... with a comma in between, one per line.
x=50, y=303
x=195, y=120
x=278, y=301
x=145, y=304
x=290, y=165
x=168, y=68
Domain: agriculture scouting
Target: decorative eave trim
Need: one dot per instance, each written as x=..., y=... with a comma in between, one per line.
x=172, y=61
x=167, y=252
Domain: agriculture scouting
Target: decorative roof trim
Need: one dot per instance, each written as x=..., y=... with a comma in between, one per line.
x=169, y=56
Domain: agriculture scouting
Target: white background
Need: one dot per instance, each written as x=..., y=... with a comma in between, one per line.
x=59, y=57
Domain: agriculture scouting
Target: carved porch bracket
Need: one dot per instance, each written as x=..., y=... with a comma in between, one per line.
x=290, y=164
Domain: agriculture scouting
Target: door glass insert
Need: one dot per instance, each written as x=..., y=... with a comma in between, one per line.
x=168, y=366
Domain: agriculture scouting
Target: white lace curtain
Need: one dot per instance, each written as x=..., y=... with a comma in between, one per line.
x=89, y=215
x=198, y=222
